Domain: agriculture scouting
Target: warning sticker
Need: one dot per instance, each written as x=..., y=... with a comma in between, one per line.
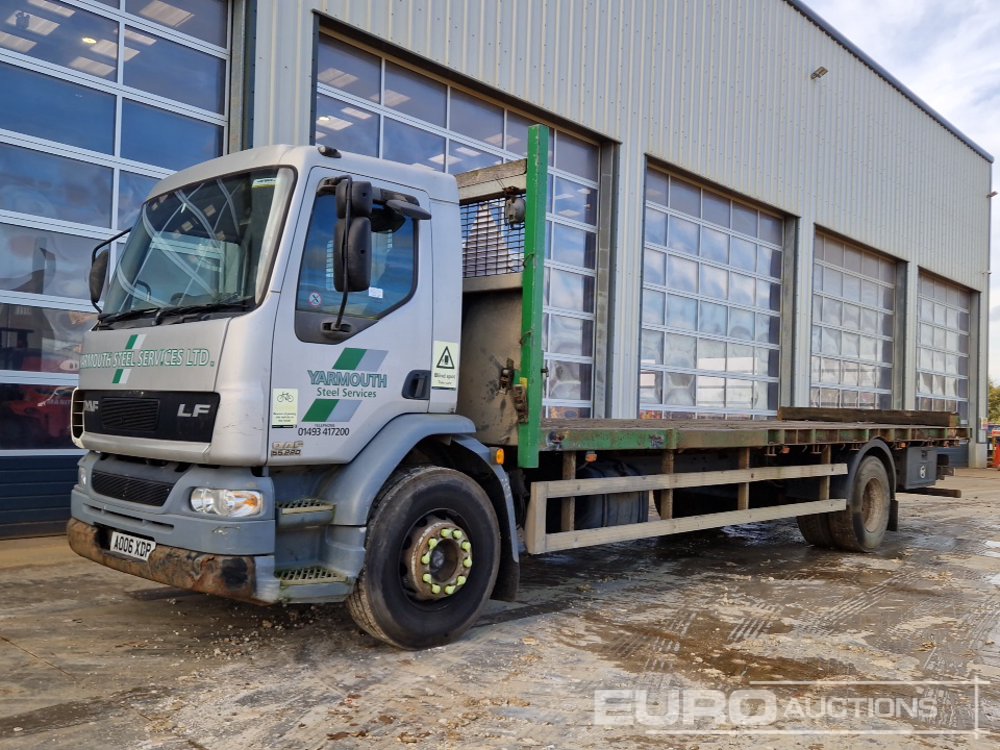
x=445, y=373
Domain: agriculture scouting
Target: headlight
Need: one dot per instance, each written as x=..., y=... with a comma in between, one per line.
x=228, y=503
x=81, y=476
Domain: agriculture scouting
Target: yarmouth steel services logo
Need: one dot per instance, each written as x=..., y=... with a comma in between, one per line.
x=849, y=707
x=340, y=390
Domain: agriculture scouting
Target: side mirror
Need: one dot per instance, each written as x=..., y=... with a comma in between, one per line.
x=98, y=274
x=357, y=245
x=352, y=247
x=353, y=199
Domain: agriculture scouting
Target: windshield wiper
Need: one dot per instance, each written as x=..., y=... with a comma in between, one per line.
x=105, y=318
x=233, y=303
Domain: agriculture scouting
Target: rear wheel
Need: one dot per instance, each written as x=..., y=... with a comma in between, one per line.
x=815, y=529
x=862, y=525
x=431, y=561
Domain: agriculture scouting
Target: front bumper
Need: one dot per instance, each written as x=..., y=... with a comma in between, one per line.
x=230, y=576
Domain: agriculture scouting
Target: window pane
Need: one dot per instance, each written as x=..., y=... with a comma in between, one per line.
x=132, y=191
x=680, y=351
x=37, y=261
x=571, y=336
x=393, y=262
x=344, y=126
x=34, y=416
x=711, y=355
x=415, y=95
x=54, y=187
x=61, y=34
x=204, y=19
x=714, y=245
x=682, y=312
x=174, y=71
x=652, y=347
x=517, y=135
x=652, y=307
x=56, y=110
x=409, y=145
x=682, y=274
x=476, y=118
x=744, y=220
x=576, y=157
x=653, y=268
x=683, y=235
x=685, y=197
x=569, y=380
x=716, y=209
x=574, y=201
x=462, y=158
x=574, y=246
x=41, y=339
x=349, y=69
x=146, y=129
x=656, y=227
x=656, y=187
x=771, y=229
x=743, y=254
x=714, y=282
x=712, y=318
x=570, y=291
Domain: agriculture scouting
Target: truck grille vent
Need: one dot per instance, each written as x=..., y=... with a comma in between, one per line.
x=490, y=246
x=131, y=489
x=137, y=414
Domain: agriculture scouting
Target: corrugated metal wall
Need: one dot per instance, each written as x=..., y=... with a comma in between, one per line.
x=720, y=88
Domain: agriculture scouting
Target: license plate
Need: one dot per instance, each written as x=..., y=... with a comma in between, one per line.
x=131, y=546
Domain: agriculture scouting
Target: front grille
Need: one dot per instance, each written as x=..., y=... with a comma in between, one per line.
x=136, y=414
x=132, y=489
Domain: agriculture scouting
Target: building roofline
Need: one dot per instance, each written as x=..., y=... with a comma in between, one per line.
x=847, y=44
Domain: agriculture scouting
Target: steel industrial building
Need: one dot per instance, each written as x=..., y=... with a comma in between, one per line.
x=746, y=211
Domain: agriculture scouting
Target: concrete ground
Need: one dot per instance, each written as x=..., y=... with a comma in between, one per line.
x=744, y=637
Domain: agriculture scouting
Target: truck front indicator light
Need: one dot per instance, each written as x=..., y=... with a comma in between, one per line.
x=227, y=503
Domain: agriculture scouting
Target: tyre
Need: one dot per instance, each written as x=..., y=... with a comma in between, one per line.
x=431, y=559
x=862, y=525
x=815, y=529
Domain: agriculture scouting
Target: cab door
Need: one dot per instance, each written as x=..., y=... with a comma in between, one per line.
x=333, y=390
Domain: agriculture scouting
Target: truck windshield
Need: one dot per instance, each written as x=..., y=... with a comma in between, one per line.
x=201, y=248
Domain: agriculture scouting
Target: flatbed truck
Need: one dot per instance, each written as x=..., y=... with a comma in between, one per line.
x=305, y=387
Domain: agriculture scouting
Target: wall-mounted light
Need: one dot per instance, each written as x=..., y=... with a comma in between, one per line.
x=818, y=73
x=992, y=195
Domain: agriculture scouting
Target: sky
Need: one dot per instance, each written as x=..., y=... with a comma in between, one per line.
x=947, y=52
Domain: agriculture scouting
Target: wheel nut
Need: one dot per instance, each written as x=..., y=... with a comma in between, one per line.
x=466, y=546
x=426, y=559
x=427, y=578
x=460, y=581
x=446, y=533
x=432, y=543
x=458, y=534
x=467, y=562
x=435, y=589
x=449, y=590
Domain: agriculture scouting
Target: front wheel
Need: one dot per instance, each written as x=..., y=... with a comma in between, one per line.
x=431, y=559
x=861, y=526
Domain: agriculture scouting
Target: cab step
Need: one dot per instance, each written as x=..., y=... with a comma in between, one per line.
x=309, y=575
x=312, y=583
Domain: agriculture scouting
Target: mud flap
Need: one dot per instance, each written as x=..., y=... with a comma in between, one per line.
x=893, y=515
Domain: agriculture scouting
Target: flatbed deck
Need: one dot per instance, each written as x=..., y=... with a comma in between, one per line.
x=638, y=434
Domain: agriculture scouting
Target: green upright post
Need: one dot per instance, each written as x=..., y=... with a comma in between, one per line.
x=530, y=376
